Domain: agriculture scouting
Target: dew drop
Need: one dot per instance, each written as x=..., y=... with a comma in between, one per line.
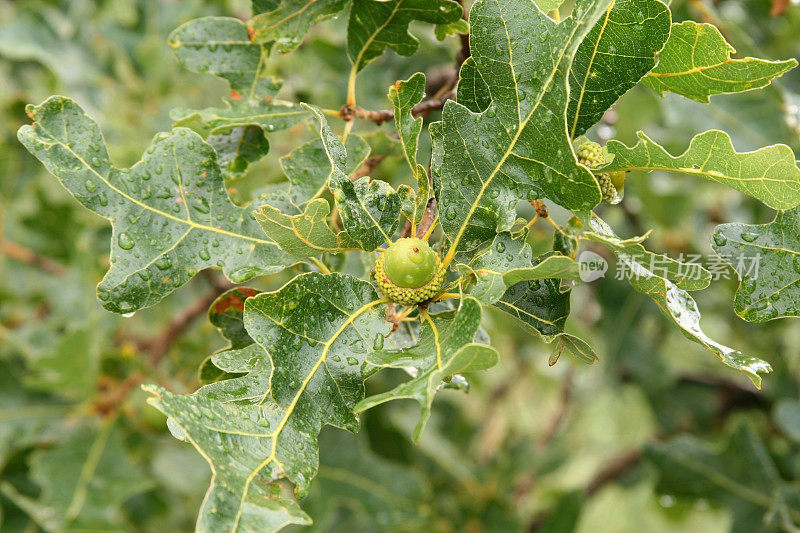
x=163, y=263
x=125, y=242
x=378, y=343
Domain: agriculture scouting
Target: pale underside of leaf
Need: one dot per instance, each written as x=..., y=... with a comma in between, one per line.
x=696, y=63
x=767, y=259
x=678, y=306
x=769, y=174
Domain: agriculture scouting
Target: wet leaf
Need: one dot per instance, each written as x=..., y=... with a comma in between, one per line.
x=696, y=63
x=517, y=148
x=767, y=259
x=679, y=307
x=375, y=24
x=617, y=53
x=308, y=167
x=509, y=260
x=446, y=346
x=286, y=22
x=370, y=209
x=305, y=235
x=255, y=429
x=170, y=213
x=404, y=96
x=769, y=174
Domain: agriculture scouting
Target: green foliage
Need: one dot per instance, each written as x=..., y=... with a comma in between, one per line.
x=768, y=287
x=621, y=48
x=375, y=25
x=769, y=174
x=696, y=63
x=171, y=212
x=494, y=169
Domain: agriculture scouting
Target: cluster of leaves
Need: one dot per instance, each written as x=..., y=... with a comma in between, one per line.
x=299, y=355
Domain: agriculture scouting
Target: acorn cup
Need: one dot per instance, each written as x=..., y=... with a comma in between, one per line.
x=409, y=272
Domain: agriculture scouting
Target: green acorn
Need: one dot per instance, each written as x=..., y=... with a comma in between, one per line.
x=591, y=154
x=409, y=272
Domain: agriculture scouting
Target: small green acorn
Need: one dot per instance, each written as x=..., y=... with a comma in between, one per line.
x=409, y=272
x=591, y=154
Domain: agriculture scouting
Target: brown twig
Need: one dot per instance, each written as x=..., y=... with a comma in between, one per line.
x=349, y=112
x=428, y=217
x=437, y=102
x=25, y=255
x=611, y=472
x=367, y=168
x=541, y=208
x=113, y=393
x=159, y=346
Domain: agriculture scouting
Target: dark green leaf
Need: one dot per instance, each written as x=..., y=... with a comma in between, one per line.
x=539, y=305
x=308, y=167
x=370, y=209
x=375, y=24
x=317, y=330
x=518, y=147
x=226, y=314
x=239, y=148
x=222, y=47
x=617, y=53
x=286, y=22
x=509, y=260
x=472, y=92
x=404, y=96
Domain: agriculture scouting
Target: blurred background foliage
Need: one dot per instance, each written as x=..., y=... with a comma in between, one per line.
x=657, y=436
